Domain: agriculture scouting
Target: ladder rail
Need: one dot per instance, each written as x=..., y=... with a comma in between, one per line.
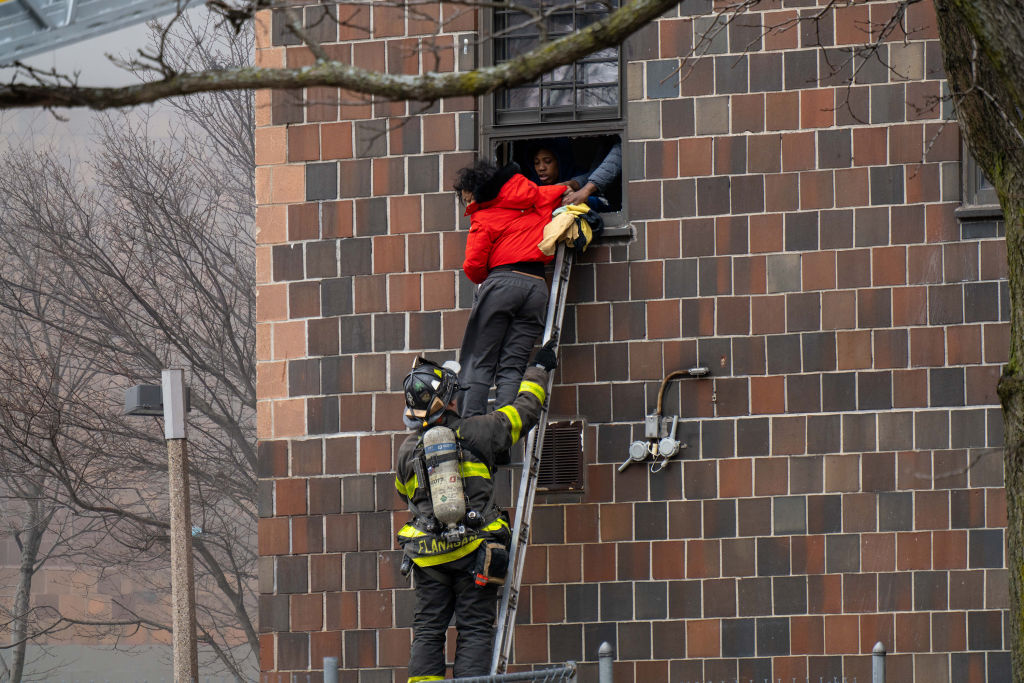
x=509, y=604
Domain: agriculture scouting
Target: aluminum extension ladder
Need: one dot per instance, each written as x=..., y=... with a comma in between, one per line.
x=531, y=468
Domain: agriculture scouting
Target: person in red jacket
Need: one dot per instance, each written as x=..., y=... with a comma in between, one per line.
x=507, y=213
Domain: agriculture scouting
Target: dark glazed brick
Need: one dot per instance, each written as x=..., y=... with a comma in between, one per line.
x=357, y=494
x=748, y=194
x=681, y=278
x=772, y=556
x=824, y=514
x=985, y=630
x=819, y=350
x=790, y=515
x=356, y=334
x=288, y=262
x=286, y=106
x=981, y=302
x=712, y=196
x=738, y=638
x=616, y=601
x=823, y=434
x=931, y=590
x=292, y=574
x=752, y=437
x=801, y=68
x=371, y=216
x=663, y=79
x=789, y=595
x=755, y=515
x=292, y=651
x=389, y=332
x=273, y=613
x=801, y=231
x=945, y=305
x=878, y=472
x=356, y=257
x=651, y=599
x=700, y=479
x=931, y=429
x=985, y=548
x=730, y=75
x=423, y=175
x=803, y=313
x=566, y=642
x=838, y=392
x=874, y=390
x=835, y=148
x=716, y=438
x=886, y=185
x=895, y=511
x=748, y=354
x=754, y=596
x=581, y=602
x=321, y=181
x=765, y=72
x=874, y=308
x=783, y=354
x=967, y=428
x=371, y=138
x=772, y=637
x=894, y=592
x=719, y=598
x=946, y=386
x=719, y=518
x=842, y=553
x=859, y=433
x=677, y=118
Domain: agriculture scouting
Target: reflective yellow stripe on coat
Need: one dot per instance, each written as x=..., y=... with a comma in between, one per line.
x=408, y=488
x=421, y=679
x=515, y=422
x=534, y=388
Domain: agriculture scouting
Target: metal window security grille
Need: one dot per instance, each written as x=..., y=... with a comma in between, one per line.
x=561, y=460
x=588, y=89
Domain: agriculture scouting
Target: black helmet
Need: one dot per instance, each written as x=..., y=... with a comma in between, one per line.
x=429, y=388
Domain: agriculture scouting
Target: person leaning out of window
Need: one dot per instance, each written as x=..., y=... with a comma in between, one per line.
x=552, y=162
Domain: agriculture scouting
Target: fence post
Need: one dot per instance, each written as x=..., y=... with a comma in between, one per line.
x=605, y=657
x=878, y=663
x=330, y=670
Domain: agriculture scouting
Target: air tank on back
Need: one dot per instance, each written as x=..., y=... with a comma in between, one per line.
x=442, y=460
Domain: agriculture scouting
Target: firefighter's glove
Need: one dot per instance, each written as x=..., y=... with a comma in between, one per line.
x=545, y=357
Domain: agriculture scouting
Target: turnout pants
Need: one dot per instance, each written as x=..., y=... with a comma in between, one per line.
x=441, y=591
x=507, y=317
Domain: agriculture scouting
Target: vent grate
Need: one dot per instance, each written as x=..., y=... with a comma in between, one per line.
x=561, y=458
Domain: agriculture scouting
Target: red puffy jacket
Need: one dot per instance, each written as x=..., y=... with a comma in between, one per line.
x=507, y=222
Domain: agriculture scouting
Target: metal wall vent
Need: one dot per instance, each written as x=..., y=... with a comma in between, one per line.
x=561, y=458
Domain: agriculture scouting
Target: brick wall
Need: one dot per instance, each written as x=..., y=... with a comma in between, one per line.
x=843, y=480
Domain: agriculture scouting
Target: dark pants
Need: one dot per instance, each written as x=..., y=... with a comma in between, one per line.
x=507, y=317
x=440, y=592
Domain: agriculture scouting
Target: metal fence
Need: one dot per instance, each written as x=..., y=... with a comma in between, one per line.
x=605, y=658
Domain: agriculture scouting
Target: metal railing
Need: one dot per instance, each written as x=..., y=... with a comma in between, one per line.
x=605, y=659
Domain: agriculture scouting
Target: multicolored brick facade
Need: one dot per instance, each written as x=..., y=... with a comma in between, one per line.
x=798, y=235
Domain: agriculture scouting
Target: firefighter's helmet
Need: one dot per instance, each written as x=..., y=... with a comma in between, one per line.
x=429, y=388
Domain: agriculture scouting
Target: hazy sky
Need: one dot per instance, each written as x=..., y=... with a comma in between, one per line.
x=89, y=59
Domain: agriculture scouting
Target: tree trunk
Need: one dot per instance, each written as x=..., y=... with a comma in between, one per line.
x=983, y=51
x=28, y=542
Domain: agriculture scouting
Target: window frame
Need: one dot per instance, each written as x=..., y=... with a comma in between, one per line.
x=488, y=108
x=976, y=200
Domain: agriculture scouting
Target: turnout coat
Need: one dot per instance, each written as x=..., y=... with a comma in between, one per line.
x=485, y=441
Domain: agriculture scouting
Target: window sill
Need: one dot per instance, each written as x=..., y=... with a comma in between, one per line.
x=978, y=212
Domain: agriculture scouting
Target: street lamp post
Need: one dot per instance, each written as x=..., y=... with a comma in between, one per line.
x=183, y=593
x=142, y=400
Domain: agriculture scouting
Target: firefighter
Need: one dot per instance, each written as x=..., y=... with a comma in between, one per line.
x=457, y=565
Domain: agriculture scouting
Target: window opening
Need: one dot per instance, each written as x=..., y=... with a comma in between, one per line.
x=572, y=161
x=588, y=89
